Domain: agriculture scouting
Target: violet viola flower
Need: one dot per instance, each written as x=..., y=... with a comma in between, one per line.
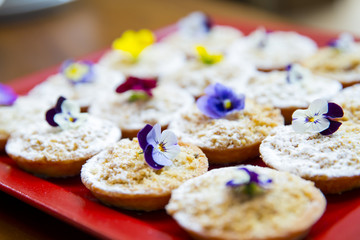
x=144, y=85
x=220, y=101
x=251, y=182
x=343, y=43
x=159, y=148
x=296, y=73
x=195, y=25
x=66, y=114
x=7, y=95
x=318, y=118
x=78, y=72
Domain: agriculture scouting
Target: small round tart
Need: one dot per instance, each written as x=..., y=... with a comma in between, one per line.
x=52, y=152
x=26, y=110
x=218, y=39
x=343, y=66
x=119, y=175
x=348, y=100
x=155, y=60
x=208, y=209
x=234, y=138
x=273, y=88
x=195, y=76
x=104, y=80
x=161, y=108
x=332, y=162
x=274, y=50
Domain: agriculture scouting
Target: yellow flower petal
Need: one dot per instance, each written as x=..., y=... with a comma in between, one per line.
x=207, y=58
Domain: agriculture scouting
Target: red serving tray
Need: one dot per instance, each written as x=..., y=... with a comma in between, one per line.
x=68, y=200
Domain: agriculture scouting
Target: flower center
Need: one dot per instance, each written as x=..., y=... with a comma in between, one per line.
x=227, y=104
x=76, y=71
x=310, y=119
x=161, y=147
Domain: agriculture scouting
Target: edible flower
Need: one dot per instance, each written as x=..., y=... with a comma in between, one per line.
x=261, y=37
x=250, y=182
x=7, y=95
x=195, y=25
x=207, y=58
x=296, y=73
x=134, y=42
x=343, y=43
x=141, y=87
x=220, y=101
x=159, y=148
x=318, y=118
x=78, y=72
x=66, y=114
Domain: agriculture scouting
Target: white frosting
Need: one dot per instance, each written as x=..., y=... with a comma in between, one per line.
x=167, y=100
x=217, y=40
x=40, y=141
x=311, y=155
x=349, y=100
x=154, y=61
x=238, y=129
x=195, y=76
x=281, y=49
x=273, y=88
x=83, y=93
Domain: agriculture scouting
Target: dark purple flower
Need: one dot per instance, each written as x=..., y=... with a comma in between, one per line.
x=220, y=101
x=7, y=95
x=158, y=148
x=250, y=185
x=334, y=112
x=50, y=114
x=78, y=72
x=138, y=84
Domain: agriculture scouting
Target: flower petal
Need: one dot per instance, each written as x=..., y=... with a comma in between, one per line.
x=299, y=120
x=168, y=138
x=334, y=111
x=172, y=151
x=154, y=136
x=319, y=126
x=334, y=126
x=160, y=158
x=71, y=108
x=142, y=134
x=49, y=116
x=148, y=155
x=318, y=107
x=204, y=104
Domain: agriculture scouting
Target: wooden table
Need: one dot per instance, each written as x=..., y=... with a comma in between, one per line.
x=38, y=40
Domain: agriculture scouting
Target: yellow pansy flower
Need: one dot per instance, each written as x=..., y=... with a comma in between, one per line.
x=206, y=57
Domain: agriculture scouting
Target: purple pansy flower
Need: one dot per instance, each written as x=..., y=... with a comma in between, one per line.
x=66, y=114
x=220, y=101
x=343, y=43
x=145, y=85
x=159, y=148
x=251, y=181
x=195, y=25
x=78, y=72
x=296, y=73
x=318, y=118
x=7, y=95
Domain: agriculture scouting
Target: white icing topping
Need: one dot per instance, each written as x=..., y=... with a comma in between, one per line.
x=310, y=155
x=167, y=100
x=238, y=129
x=84, y=94
x=280, y=49
x=40, y=141
x=273, y=88
x=154, y=61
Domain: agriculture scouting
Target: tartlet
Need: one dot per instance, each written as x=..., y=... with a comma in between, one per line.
x=209, y=209
x=119, y=175
x=331, y=162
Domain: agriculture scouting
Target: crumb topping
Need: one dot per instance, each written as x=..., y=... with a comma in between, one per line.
x=348, y=100
x=41, y=142
x=310, y=155
x=205, y=204
x=237, y=129
x=273, y=88
x=122, y=168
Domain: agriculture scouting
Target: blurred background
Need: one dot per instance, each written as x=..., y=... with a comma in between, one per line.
x=37, y=34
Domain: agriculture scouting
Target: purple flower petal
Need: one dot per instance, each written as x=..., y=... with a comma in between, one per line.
x=333, y=127
x=138, y=84
x=208, y=23
x=207, y=107
x=50, y=114
x=142, y=136
x=334, y=111
x=7, y=95
x=87, y=77
x=148, y=155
